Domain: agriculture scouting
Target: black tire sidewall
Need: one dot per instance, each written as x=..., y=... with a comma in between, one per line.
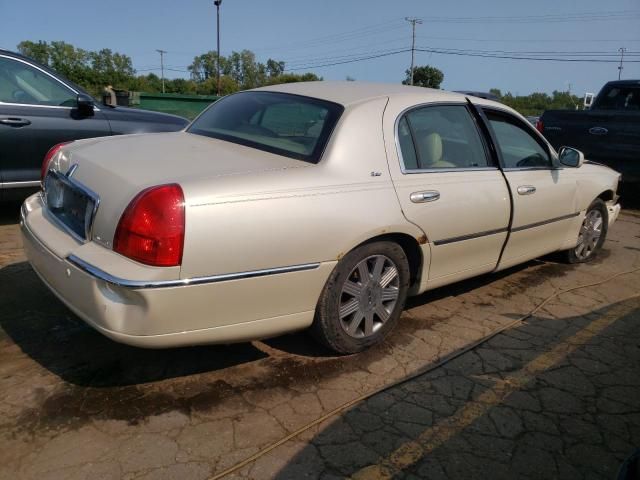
x=326, y=326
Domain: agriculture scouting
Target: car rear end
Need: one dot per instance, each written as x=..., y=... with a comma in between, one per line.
x=108, y=231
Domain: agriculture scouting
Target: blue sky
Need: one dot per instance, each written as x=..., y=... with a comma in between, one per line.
x=307, y=32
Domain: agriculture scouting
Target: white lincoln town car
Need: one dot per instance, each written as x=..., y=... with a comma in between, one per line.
x=321, y=205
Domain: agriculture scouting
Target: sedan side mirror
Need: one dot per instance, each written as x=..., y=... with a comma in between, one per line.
x=85, y=105
x=571, y=157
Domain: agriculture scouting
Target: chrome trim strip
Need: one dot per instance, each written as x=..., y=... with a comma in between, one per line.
x=33, y=105
x=139, y=284
x=26, y=184
x=449, y=170
x=545, y=222
x=470, y=236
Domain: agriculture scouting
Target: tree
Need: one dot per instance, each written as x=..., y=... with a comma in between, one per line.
x=274, y=68
x=425, y=76
x=536, y=103
x=38, y=51
x=94, y=70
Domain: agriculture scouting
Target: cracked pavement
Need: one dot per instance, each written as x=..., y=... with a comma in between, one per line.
x=556, y=396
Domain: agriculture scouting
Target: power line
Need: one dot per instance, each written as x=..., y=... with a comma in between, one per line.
x=555, y=18
x=361, y=59
x=516, y=57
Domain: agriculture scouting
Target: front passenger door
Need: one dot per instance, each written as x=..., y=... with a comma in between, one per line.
x=544, y=195
x=37, y=111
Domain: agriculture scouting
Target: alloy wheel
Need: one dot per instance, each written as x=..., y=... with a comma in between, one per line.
x=590, y=233
x=369, y=296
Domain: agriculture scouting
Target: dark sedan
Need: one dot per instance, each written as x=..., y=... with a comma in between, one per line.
x=39, y=109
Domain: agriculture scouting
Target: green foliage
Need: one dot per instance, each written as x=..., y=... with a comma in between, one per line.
x=536, y=103
x=425, y=76
x=96, y=70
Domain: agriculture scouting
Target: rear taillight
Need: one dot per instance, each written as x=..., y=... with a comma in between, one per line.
x=151, y=229
x=47, y=159
x=540, y=126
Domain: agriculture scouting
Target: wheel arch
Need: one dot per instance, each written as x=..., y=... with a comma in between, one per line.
x=411, y=248
x=607, y=196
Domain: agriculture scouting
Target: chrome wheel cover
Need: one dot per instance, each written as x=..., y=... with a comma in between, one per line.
x=369, y=296
x=590, y=233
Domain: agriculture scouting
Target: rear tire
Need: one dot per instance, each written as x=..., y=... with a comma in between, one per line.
x=592, y=235
x=363, y=298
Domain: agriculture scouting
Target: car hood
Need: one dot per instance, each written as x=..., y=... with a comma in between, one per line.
x=142, y=120
x=118, y=168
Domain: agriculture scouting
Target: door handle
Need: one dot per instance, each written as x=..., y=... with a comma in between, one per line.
x=423, y=197
x=526, y=189
x=598, y=131
x=15, y=122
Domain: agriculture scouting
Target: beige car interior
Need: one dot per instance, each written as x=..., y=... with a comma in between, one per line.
x=430, y=150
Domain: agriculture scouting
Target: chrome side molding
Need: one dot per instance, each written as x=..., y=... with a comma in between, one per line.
x=183, y=282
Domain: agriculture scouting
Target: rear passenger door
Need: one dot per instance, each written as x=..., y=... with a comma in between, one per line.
x=544, y=193
x=447, y=184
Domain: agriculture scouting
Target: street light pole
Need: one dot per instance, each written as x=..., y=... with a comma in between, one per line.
x=217, y=3
x=162, y=52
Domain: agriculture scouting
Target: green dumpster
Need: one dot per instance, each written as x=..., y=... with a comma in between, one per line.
x=188, y=106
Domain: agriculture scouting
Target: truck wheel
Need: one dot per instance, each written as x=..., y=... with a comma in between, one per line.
x=592, y=233
x=363, y=298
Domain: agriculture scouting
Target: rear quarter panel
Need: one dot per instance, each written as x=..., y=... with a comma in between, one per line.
x=299, y=215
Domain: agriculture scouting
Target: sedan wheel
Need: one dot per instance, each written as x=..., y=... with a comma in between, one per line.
x=369, y=296
x=592, y=233
x=363, y=297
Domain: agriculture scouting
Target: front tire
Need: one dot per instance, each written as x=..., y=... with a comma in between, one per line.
x=363, y=298
x=592, y=235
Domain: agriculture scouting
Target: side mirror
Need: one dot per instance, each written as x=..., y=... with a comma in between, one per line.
x=85, y=105
x=570, y=157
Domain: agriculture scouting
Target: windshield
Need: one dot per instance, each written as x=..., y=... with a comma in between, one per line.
x=289, y=125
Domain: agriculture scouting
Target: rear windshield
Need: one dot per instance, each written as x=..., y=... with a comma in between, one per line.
x=289, y=125
x=619, y=98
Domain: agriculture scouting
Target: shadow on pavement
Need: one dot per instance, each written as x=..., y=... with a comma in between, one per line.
x=54, y=337
x=9, y=213
x=485, y=416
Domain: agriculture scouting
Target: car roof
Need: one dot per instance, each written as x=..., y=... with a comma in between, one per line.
x=623, y=83
x=347, y=93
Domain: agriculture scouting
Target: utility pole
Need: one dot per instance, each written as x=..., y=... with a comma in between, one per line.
x=621, y=50
x=413, y=21
x=217, y=3
x=162, y=52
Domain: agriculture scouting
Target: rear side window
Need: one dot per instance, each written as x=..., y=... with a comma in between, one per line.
x=518, y=146
x=619, y=98
x=290, y=125
x=440, y=137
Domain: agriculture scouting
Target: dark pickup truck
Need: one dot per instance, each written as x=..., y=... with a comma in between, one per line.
x=608, y=133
